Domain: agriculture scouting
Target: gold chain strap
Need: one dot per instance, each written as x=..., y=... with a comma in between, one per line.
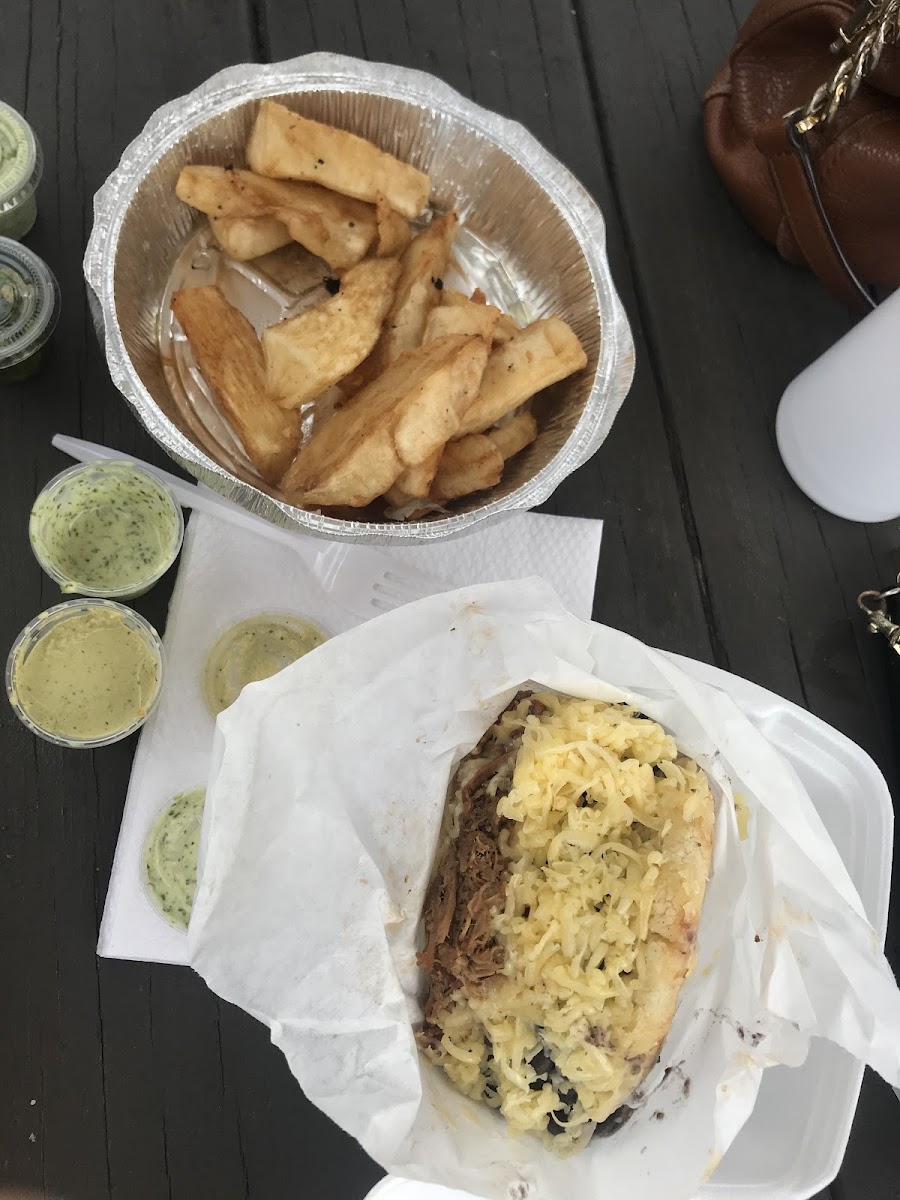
x=874, y=25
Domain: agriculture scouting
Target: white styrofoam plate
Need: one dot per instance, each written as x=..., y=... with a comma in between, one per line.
x=794, y=1141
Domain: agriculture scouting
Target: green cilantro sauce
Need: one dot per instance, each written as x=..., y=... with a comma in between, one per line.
x=255, y=649
x=18, y=159
x=106, y=529
x=170, y=857
x=89, y=676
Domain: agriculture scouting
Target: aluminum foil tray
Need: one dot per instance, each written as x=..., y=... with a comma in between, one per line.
x=532, y=237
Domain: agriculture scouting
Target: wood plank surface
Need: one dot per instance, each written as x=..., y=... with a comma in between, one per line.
x=729, y=326
x=130, y=1081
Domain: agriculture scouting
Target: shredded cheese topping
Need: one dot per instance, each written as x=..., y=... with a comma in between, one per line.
x=603, y=824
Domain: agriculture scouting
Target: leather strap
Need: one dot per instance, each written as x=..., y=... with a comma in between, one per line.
x=794, y=179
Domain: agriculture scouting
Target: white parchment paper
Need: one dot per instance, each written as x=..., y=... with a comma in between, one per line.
x=326, y=796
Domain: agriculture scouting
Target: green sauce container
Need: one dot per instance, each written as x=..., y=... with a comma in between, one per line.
x=21, y=164
x=29, y=309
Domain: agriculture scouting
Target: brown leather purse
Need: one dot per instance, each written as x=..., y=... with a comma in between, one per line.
x=803, y=124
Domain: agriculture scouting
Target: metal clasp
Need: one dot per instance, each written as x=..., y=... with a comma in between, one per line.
x=863, y=16
x=874, y=605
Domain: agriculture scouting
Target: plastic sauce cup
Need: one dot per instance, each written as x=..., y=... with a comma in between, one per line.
x=255, y=647
x=21, y=164
x=80, y=656
x=106, y=529
x=169, y=884
x=29, y=310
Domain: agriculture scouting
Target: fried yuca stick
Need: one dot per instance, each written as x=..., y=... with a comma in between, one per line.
x=287, y=146
x=334, y=227
x=229, y=356
x=308, y=353
x=543, y=353
x=398, y=421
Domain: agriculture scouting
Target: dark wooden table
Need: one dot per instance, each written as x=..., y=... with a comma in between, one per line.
x=135, y=1082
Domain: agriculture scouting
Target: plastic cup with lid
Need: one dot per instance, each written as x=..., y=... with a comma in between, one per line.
x=21, y=165
x=29, y=310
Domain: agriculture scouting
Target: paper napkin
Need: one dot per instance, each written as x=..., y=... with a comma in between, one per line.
x=228, y=573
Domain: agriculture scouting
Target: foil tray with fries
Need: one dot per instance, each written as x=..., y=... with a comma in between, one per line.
x=382, y=340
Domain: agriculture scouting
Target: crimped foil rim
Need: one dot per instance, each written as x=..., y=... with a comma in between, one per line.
x=320, y=72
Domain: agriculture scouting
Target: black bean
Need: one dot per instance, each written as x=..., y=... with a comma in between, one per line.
x=614, y=1122
x=554, y=1124
x=542, y=1063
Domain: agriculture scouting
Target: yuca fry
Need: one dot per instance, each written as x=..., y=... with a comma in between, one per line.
x=475, y=462
x=394, y=233
x=415, y=482
x=476, y=320
x=514, y=435
x=334, y=227
x=467, y=317
x=220, y=192
x=544, y=353
x=469, y=465
x=462, y=317
x=285, y=145
x=422, y=265
x=450, y=296
x=504, y=327
x=505, y=330
x=249, y=237
x=465, y=466
x=398, y=421
x=308, y=353
x=417, y=293
x=228, y=354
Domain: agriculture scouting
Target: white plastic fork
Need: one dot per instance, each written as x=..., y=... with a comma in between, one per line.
x=361, y=580
x=367, y=582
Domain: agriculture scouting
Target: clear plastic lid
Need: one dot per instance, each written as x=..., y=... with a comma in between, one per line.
x=29, y=303
x=21, y=160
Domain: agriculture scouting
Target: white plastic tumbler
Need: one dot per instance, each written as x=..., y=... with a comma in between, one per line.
x=838, y=423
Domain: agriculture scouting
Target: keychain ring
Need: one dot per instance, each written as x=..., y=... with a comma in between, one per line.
x=871, y=602
x=878, y=597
